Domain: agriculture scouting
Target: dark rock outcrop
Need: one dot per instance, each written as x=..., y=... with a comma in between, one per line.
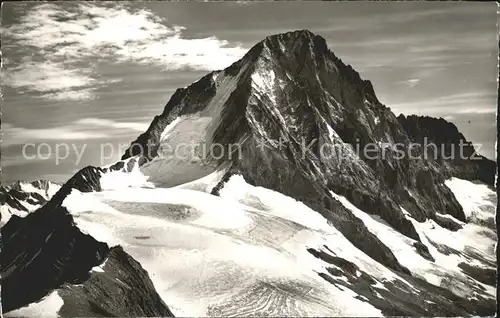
x=448, y=148
x=423, y=250
x=87, y=179
x=12, y=198
x=133, y=293
x=486, y=276
x=41, y=252
x=221, y=183
x=398, y=299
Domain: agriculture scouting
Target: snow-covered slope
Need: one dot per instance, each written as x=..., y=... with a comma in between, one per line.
x=49, y=268
x=209, y=256
x=448, y=251
x=254, y=251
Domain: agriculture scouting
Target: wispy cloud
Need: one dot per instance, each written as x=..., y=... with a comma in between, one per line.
x=51, y=79
x=413, y=82
x=479, y=110
x=461, y=103
x=67, y=40
x=83, y=129
x=15, y=135
x=98, y=122
x=401, y=14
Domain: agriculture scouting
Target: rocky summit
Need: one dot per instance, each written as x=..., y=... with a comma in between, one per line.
x=273, y=207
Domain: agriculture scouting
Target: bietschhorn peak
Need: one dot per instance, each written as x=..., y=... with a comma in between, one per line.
x=303, y=46
x=279, y=175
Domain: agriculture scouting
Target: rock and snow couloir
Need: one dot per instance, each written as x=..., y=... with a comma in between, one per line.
x=267, y=223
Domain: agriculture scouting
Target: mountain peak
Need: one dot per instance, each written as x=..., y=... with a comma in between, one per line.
x=294, y=41
x=273, y=70
x=299, y=44
x=286, y=37
x=302, y=46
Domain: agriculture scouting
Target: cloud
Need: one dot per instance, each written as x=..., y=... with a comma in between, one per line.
x=479, y=102
x=52, y=79
x=98, y=122
x=413, y=82
x=17, y=135
x=83, y=129
x=12, y=134
x=481, y=110
x=399, y=16
x=418, y=50
x=67, y=41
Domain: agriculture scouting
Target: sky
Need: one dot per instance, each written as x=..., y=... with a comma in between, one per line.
x=93, y=75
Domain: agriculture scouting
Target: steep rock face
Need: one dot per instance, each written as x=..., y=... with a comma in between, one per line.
x=455, y=155
x=44, y=250
x=182, y=102
x=88, y=178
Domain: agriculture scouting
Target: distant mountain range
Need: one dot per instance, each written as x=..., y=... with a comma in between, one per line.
x=273, y=212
